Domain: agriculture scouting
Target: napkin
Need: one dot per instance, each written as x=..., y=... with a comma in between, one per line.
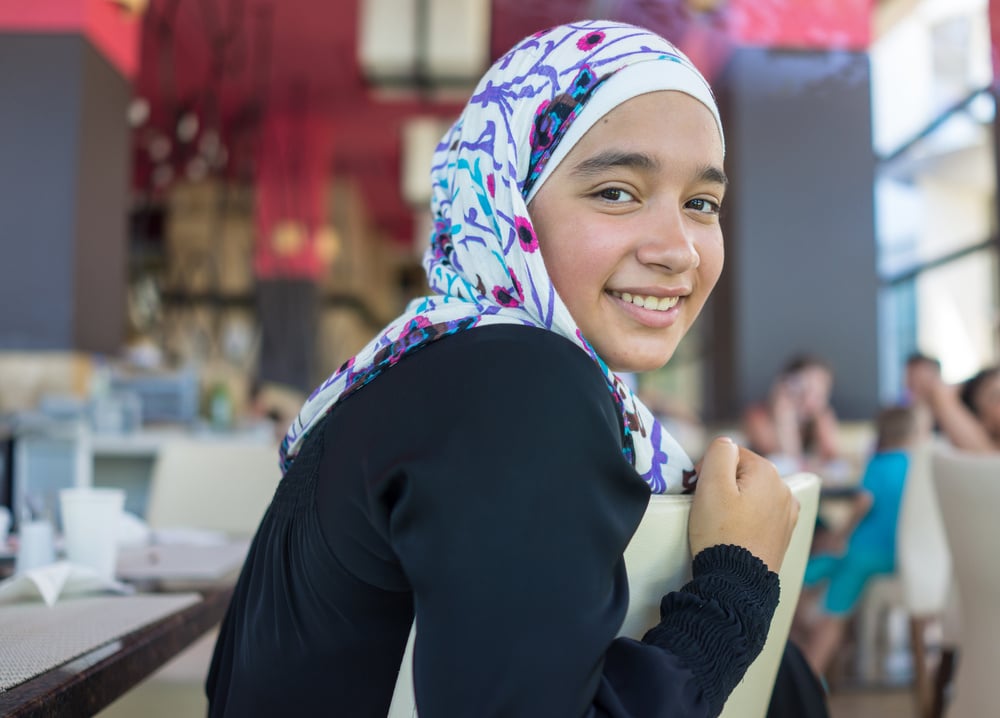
x=57, y=580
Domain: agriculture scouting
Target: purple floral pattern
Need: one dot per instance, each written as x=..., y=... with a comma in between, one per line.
x=483, y=263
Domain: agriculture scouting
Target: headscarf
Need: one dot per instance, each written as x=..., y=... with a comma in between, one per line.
x=483, y=262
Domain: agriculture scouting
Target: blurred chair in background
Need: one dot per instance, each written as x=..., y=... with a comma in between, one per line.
x=924, y=568
x=49, y=455
x=968, y=491
x=221, y=485
x=920, y=588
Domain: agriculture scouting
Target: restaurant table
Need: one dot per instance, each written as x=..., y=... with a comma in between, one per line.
x=194, y=565
x=134, y=636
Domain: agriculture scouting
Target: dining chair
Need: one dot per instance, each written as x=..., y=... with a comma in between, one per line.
x=968, y=491
x=919, y=588
x=924, y=568
x=49, y=456
x=214, y=484
x=658, y=560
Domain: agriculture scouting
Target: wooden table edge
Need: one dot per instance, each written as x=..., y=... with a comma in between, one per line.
x=88, y=683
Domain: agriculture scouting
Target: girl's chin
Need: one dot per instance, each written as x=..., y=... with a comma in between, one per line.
x=639, y=364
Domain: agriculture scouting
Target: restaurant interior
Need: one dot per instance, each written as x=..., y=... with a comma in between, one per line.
x=208, y=206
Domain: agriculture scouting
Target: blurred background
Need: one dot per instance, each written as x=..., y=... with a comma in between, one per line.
x=206, y=206
x=237, y=188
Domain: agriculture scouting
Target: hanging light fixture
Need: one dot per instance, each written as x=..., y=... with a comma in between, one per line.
x=424, y=43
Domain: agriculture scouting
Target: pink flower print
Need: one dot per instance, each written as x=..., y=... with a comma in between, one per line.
x=491, y=185
x=504, y=298
x=590, y=40
x=517, y=285
x=526, y=234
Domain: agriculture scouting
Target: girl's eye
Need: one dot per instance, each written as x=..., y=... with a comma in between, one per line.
x=615, y=194
x=706, y=206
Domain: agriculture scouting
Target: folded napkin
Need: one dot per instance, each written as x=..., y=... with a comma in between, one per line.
x=57, y=580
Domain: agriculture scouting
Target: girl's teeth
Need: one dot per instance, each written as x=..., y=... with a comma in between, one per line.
x=661, y=304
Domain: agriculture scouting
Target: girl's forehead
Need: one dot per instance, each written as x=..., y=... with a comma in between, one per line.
x=653, y=124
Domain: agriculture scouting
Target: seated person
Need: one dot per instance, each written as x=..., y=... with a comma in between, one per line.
x=870, y=536
x=796, y=428
x=967, y=414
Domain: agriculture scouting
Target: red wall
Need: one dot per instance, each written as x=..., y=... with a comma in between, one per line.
x=114, y=32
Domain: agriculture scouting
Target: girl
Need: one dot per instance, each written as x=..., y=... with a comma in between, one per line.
x=480, y=467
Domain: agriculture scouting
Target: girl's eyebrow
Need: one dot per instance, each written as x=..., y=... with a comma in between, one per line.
x=639, y=160
x=711, y=173
x=615, y=158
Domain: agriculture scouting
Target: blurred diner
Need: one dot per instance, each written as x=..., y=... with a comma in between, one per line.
x=967, y=413
x=796, y=427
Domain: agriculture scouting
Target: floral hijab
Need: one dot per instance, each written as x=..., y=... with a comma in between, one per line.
x=483, y=262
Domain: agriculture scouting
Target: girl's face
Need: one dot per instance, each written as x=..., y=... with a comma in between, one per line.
x=628, y=227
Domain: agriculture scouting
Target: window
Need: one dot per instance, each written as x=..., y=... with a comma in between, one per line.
x=935, y=190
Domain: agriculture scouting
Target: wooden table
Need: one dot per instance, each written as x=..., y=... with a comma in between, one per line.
x=92, y=681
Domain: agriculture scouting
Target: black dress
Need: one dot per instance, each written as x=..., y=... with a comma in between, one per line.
x=481, y=484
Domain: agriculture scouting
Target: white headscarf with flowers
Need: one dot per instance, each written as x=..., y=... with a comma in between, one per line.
x=483, y=262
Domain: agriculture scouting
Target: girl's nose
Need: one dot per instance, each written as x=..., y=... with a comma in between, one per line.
x=669, y=243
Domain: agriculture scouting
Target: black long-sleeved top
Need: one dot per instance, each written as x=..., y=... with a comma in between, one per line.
x=481, y=484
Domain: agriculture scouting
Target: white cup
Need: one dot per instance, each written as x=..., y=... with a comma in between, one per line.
x=35, y=546
x=90, y=527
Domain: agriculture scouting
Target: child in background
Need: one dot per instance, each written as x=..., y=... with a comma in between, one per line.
x=870, y=536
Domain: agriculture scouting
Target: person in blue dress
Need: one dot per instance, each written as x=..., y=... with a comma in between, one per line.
x=869, y=537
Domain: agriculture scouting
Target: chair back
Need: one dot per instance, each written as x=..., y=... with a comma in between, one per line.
x=968, y=490
x=658, y=560
x=222, y=485
x=923, y=559
x=49, y=456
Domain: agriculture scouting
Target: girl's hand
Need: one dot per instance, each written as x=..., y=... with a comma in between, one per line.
x=741, y=500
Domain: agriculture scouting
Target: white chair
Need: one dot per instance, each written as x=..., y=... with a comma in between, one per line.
x=923, y=558
x=968, y=491
x=924, y=566
x=919, y=587
x=216, y=484
x=658, y=560
x=49, y=456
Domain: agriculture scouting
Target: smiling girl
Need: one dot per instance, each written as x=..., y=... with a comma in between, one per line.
x=480, y=467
